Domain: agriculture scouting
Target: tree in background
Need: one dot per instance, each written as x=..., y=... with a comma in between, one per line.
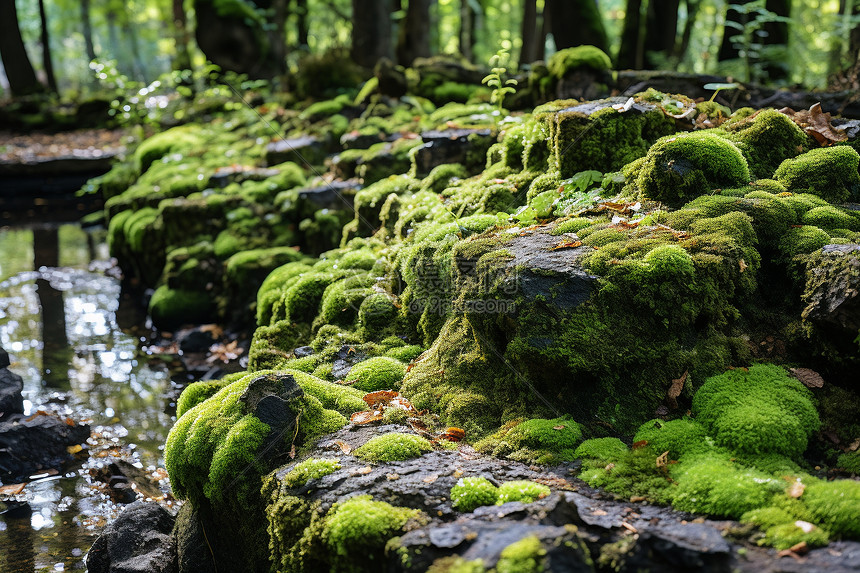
x=756, y=33
x=19, y=70
x=413, y=40
x=44, y=38
x=371, y=31
x=575, y=23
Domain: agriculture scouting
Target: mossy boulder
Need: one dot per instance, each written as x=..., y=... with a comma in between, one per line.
x=393, y=446
x=377, y=373
x=171, y=308
x=830, y=173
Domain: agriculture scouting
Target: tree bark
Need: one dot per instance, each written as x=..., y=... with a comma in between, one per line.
x=19, y=70
x=182, y=60
x=45, y=40
x=576, y=23
x=631, y=52
x=662, y=28
x=529, y=33
x=302, y=22
x=467, y=29
x=414, y=38
x=137, y=62
x=87, y=31
x=684, y=44
x=371, y=32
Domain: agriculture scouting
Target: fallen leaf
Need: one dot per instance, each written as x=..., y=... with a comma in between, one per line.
x=556, y=482
x=816, y=123
x=366, y=417
x=453, y=434
x=559, y=427
x=796, y=489
x=598, y=512
x=74, y=449
x=853, y=446
x=12, y=489
x=292, y=453
x=392, y=477
x=742, y=264
x=566, y=244
x=457, y=473
x=677, y=386
x=363, y=471
x=637, y=498
x=792, y=554
x=629, y=527
x=663, y=459
x=382, y=397
x=622, y=107
x=640, y=444
x=810, y=378
x=430, y=479
x=344, y=447
x=800, y=548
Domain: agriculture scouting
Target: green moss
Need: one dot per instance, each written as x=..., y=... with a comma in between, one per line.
x=683, y=166
x=828, y=217
x=836, y=504
x=274, y=286
x=312, y=468
x=849, y=462
x=571, y=58
x=171, y=308
x=405, y=353
x=456, y=564
x=175, y=140
x=829, y=172
x=537, y=441
x=678, y=437
x=521, y=490
x=301, y=301
x=625, y=472
x=357, y=530
x=601, y=449
x=802, y=240
x=337, y=397
x=377, y=314
x=767, y=139
x=524, y=556
x=343, y=298
x=198, y=392
x=572, y=225
x=757, y=411
x=392, y=447
x=377, y=373
x=783, y=530
x=472, y=492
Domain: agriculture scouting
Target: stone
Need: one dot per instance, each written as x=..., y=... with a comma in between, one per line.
x=303, y=150
x=11, y=400
x=37, y=443
x=676, y=547
x=832, y=294
x=138, y=541
x=192, y=551
x=448, y=146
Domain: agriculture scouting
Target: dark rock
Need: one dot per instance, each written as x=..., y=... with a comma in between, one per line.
x=303, y=351
x=11, y=400
x=192, y=549
x=832, y=294
x=449, y=146
x=237, y=174
x=4, y=358
x=336, y=196
x=119, y=475
x=37, y=443
x=194, y=340
x=676, y=547
x=356, y=140
x=138, y=541
x=344, y=360
x=392, y=78
x=584, y=83
x=303, y=150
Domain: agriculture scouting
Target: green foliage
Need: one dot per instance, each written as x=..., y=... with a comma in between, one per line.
x=377, y=373
x=391, y=447
x=198, y=392
x=836, y=504
x=521, y=490
x=678, y=437
x=311, y=468
x=523, y=556
x=538, y=440
x=828, y=172
x=495, y=79
x=570, y=58
x=473, y=492
x=601, y=449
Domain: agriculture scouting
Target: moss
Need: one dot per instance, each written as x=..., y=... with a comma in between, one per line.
x=198, y=392
x=274, y=286
x=272, y=345
x=712, y=484
x=357, y=530
x=524, y=556
x=757, y=410
x=377, y=373
x=571, y=58
x=312, y=468
x=456, y=564
x=829, y=217
x=537, y=440
x=601, y=449
x=473, y=492
x=301, y=301
x=767, y=139
x=625, y=472
x=521, y=490
x=337, y=397
x=678, y=437
x=836, y=504
x=343, y=298
x=683, y=166
x=829, y=172
x=783, y=530
x=177, y=139
x=171, y=308
x=572, y=225
x=377, y=314
x=802, y=240
x=849, y=462
x=442, y=176
x=392, y=447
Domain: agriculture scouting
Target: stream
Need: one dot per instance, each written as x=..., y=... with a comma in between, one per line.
x=78, y=350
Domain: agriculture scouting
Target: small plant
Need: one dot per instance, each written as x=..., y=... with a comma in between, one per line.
x=494, y=79
x=720, y=86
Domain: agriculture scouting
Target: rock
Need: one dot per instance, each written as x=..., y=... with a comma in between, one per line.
x=138, y=541
x=124, y=480
x=357, y=140
x=336, y=196
x=303, y=351
x=239, y=173
x=584, y=83
x=37, y=443
x=392, y=78
x=195, y=340
x=450, y=146
x=269, y=400
x=676, y=547
x=832, y=294
x=192, y=551
x=4, y=358
x=11, y=400
x=306, y=149
x=345, y=359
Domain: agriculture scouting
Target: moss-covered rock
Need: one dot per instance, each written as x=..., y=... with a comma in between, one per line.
x=393, y=447
x=472, y=492
x=830, y=173
x=378, y=373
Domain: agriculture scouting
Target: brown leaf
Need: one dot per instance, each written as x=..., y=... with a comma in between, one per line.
x=453, y=434
x=363, y=471
x=629, y=527
x=663, y=459
x=817, y=124
x=12, y=489
x=853, y=446
x=293, y=452
x=598, y=512
x=678, y=385
x=810, y=378
x=800, y=548
x=382, y=397
x=640, y=444
x=560, y=427
x=366, y=417
x=796, y=489
x=430, y=479
x=402, y=403
x=566, y=244
x=392, y=477
x=743, y=266
x=344, y=447
x=556, y=482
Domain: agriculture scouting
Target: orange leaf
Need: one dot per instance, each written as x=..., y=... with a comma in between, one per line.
x=663, y=459
x=640, y=444
x=430, y=479
x=344, y=447
x=453, y=434
x=366, y=417
x=796, y=489
x=566, y=244
x=382, y=397
x=363, y=471
x=12, y=489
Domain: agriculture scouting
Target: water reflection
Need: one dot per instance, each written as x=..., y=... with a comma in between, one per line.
x=58, y=321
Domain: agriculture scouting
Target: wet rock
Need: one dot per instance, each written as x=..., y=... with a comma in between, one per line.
x=11, y=400
x=675, y=548
x=125, y=480
x=450, y=146
x=306, y=149
x=37, y=443
x=344, y=360
x=138, y=541
x=195, y=340
x=303, y=351
x=237, y=174
x=832, y=294
x=269, y=400
x=192, y=551
x=584, y=83
x=336, y=196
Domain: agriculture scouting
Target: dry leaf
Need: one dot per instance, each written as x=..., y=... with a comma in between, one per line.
x=293, y=452
x=344, y=447
x=663, y=459
x=430, y=479
x=800, y=548
x=559, y=427
x=629, y=527
x=817, y=124
x=566, y=244
x=363, y=471
x=640, y=444
x=853, y=446
x=598, y=512
x=743, y=266
x=366, y=417
x=457, y=473
x=74, y=449
x=382, y=397
x=12, y=489
x=678, y=385
x=796, y=489
x=453, y=434
x=556, y=482
x=637, y=498
x=392, y=477
x=810, y=378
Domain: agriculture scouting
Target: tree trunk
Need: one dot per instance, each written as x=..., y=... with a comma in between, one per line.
x=87, y=31
x=684, y=44
x=529, y=33
x=414, y=38
x=728, y=48
x=302, y=22
x=371, y=32
x=777, y=69
x=576, y=23
x=662, y=28
x=777, y=34
x=467, y=29
x=19, y=70
x=137, y=62
x=47, y=62
x=182, y=59
x=631, y=52
x=278, y=37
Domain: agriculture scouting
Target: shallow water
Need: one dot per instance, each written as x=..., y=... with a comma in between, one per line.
x=60, y=319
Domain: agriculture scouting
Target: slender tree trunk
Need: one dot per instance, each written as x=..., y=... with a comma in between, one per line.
x=302, y=22
x=113, y=38
x=529, y=33
x=728, y=48
x=466, y=39
x=371, y=31
x=662, y=28
x=137, y=62
x=575, y=23
x=19, y=70
x=87, y=31
x=47, y=62
x=278, y=37
x=777, y=69
x=182, y=59
x=684, y=43
x=631, y=52
x=414, y=39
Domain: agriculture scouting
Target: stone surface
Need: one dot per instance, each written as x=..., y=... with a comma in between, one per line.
x=834, y=296
x=448, y=146
x=301, y=150
x=11, y=400
x=138, y=541
x=37, y=443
